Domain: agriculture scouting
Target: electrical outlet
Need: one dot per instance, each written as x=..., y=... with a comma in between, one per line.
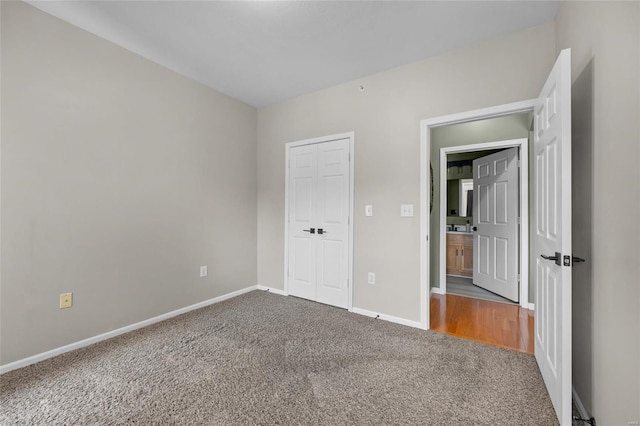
x=203, y=271
x=66, y=300
x=372, y=278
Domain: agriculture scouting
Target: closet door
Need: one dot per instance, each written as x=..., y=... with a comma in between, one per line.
x=332, y=217
x=303, y=182
x=318, y=194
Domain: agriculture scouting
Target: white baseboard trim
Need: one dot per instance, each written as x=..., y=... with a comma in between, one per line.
x=271, y=290
x=437, y=290
x=390, y=318
x=531, y=306
x=104, y=336
x=579, y=405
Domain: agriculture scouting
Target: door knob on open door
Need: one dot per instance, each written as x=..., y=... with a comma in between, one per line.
x=475, y=228
x=312, y=231
x=321, y=231
x=557, y=258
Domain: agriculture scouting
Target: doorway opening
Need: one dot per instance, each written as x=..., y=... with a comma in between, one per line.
x=492, y=247
x=481, y=244
x=433, y=255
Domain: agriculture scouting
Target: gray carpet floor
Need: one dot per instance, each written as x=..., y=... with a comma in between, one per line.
x=264, y=359
x=464, y=287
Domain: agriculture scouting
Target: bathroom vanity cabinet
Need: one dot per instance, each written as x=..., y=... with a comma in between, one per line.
x=460, y=254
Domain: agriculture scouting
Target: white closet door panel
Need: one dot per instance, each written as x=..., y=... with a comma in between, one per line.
x=302, y=218
x=333, y=215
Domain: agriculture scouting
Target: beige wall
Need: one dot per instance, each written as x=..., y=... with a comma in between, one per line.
x=385, y=118
x=605, y=42
x=119, y=179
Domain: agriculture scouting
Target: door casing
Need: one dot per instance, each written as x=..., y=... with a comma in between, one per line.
x=288, y=146
x=425, y=184
x=523, y=236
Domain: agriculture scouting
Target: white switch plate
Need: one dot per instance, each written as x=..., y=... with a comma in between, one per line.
x=372, y=278
x=368, y=210
x=406, y=210
x=203, y=271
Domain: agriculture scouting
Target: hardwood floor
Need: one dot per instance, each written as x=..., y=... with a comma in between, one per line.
x=495, y=323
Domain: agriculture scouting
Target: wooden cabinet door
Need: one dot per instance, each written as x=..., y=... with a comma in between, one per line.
x=452, y=258
x=466, y=256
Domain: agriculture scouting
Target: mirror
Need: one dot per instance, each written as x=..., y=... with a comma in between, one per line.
x=466, y=197
x=460, y=197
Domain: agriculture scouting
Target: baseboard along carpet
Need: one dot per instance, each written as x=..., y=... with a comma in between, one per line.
x=264, y=359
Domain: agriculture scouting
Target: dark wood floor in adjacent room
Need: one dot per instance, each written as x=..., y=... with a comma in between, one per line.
x=495, y=323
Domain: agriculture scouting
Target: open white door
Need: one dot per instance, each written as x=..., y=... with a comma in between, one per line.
x=495, y=219
x=552, y=240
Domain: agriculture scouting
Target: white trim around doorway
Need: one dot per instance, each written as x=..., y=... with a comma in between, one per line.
x=288, y=146
x=425, y=183
x=523, y=173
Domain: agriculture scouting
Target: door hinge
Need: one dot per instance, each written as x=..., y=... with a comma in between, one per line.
x=518, y=277
x=518, y=221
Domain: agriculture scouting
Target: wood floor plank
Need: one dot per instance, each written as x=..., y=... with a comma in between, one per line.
x=495, y=323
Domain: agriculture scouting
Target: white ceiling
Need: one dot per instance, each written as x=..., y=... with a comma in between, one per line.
x=263, y=52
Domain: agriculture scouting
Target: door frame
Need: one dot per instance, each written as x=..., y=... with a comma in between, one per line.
x=425, y=183
x=523, y=236
x=288, y=146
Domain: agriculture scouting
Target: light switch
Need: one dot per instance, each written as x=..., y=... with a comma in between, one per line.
x=406, y=210
x=368, y=210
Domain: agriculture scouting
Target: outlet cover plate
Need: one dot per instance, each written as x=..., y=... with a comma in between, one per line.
x=203, y=271
x=66, y=300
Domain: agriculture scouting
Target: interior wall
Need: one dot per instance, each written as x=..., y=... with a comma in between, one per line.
x=119, y=179
x=514, y=126
x=605, y=41
x=385, y=117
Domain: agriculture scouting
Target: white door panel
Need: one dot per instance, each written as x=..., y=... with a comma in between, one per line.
x=333, y=210
x=319, y=203
x=496, y=221
x=552, y=197
x=302, y=206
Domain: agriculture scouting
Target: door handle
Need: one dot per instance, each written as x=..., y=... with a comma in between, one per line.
x=556, y=258
x=475, y=228
x=312, y=231
x=576, y=259
x=321, y=231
